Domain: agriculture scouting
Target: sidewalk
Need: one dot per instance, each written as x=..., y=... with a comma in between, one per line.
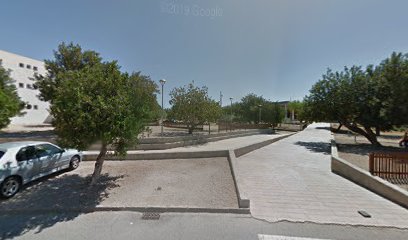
x=291, y=180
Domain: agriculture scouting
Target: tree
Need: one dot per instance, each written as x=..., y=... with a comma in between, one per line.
x=350, y=97
x=68, y=57
x=392, y=79
x=214, y=113
x=96, y=103
x=297, y=108
x=10, y=103
x=272, y=113
x=193, y=106
x=249, y=107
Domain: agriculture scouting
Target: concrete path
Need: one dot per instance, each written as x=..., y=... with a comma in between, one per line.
x=291, y=180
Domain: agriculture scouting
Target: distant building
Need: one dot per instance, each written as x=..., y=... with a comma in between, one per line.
x=23, y=71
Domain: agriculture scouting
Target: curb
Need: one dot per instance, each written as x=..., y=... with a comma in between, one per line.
x=363, y=178
x=130, y=209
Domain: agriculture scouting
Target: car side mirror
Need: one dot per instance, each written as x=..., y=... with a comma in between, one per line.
x=62, y=151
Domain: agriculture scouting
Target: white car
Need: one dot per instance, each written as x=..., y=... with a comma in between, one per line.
x=23, y=162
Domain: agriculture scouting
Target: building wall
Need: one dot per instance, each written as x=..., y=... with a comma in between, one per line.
x=22, y=71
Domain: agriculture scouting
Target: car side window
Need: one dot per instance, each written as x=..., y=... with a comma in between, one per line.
x=47, y=150
x=26, y=153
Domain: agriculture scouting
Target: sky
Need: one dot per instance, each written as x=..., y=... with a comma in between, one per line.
x=274, y=48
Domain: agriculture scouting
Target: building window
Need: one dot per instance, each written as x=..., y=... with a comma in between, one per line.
x=35, y=68
x=28, y=66
x=35, y=107
x=28, y=106
x=29, y=86
x=35, y=86
x=21, y=65
x=32, y=79
x=21, y=85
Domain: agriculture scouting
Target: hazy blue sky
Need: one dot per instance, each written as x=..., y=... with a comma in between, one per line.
x=274, y=48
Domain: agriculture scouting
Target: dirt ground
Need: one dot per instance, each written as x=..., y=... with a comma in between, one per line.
x=355, y=149
x=204, y=183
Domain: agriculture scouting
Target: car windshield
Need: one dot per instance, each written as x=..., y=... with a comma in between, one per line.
x=1, y=154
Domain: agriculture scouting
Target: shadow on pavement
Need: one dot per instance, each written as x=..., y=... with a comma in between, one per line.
x=46, y=202
x=324, y=128
x=318, y=147
x=364, y=149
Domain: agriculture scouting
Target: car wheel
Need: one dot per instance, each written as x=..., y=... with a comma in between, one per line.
x=74, y=163
x=9, y=187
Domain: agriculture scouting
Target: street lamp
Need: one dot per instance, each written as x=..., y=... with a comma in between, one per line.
x=231, y=113
x=260, y=110
x=162, y=82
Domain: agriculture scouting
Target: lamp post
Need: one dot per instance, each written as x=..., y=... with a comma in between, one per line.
x=162, y=82
x=231, y=114
x=260, y=111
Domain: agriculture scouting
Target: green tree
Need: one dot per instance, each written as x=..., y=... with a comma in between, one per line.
x=349, y=97
x=249, y=107
x=392, y=79
x=273, y=113
x=97, y=104
x=68, y=57
x=193, y=106
x=10, y=103
x=297, y=108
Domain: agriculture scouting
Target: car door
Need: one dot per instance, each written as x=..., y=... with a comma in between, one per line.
x=49, y=157
x=27, y=163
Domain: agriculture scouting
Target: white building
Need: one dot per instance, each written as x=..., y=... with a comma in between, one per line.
x=22, y=71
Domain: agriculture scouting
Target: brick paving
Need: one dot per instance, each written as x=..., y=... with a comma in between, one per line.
x=291, y=180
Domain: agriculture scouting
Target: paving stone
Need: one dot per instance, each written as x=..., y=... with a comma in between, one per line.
x=292, y=180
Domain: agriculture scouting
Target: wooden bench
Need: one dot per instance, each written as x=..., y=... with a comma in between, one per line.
x=389, y=165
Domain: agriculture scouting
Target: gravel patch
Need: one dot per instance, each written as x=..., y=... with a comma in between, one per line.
x=200, y=183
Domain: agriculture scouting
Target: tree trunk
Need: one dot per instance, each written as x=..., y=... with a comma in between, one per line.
x=190, y=130
x=98, y=164
x=377, y=131
x=338, y=129
x=366, y=132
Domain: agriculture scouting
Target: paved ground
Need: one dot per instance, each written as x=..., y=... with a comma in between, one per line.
x=128, y=225
x=291, y=180
x=202, y=183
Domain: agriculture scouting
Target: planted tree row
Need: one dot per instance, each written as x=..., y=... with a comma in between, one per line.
x=365, y=100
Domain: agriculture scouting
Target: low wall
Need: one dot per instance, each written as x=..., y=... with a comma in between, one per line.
x=174, y=142
x=366, y=180
x=244, y=150
x=243, y=200
x=161, y=156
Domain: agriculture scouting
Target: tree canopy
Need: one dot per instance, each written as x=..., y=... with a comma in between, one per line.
x=362, y=99
x=68, y=57
x=97, y=103
x=252, y=108
x=193, y=106
x=10, y=103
